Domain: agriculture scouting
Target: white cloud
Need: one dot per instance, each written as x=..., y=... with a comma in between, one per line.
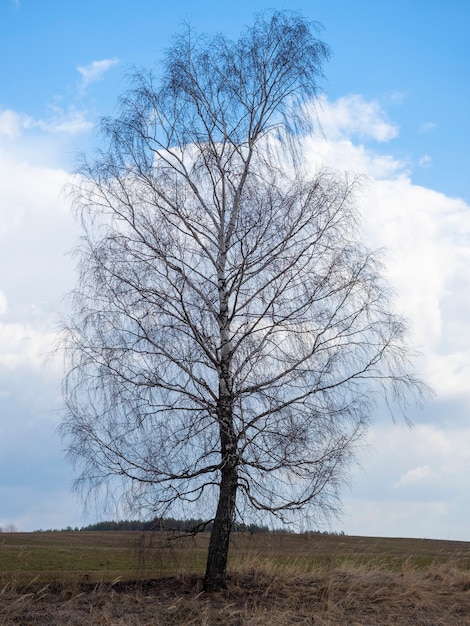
x=414, y=481
x=12, y=123
x=94, y=71
x=28, y=191
x=414, y=476
x=427, y=127
x=22, y=344
x=427, y=237
x=425, y=233
x=425, y=161
x=3, y=303
x=36, y=232
x=344, y=155
x=69, y=121
x=354, y=116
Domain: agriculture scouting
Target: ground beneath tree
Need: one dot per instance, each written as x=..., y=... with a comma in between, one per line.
x=438, y=596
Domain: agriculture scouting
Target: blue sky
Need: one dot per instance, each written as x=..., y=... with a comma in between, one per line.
x=412, y=56
x=394, y=107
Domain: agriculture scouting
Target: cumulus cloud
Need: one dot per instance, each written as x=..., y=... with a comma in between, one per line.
x=36, y=232
x=345, y=155
x=426, y=236
x=28, y=191
x=414, y=481
x=354, y=116
x=94, y=71
x=427, y=239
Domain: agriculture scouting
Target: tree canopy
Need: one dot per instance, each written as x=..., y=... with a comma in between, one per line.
x=229, y=331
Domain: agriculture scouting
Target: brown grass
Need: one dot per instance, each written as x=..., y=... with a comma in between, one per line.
x=274, y=580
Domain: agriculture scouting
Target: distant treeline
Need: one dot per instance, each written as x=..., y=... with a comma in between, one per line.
x=170, y=524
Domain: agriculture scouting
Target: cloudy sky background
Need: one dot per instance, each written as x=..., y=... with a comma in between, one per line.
x=394, y=108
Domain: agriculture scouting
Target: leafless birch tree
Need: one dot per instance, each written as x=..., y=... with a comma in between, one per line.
x=229, y=333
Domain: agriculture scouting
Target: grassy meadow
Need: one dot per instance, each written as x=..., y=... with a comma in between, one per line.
x=275, y=579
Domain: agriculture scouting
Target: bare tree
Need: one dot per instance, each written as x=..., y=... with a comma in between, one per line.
x=229, y=332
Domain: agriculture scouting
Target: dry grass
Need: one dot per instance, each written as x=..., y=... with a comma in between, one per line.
x=274, y=580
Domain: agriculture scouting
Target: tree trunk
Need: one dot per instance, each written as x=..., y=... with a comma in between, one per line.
x=216, y=569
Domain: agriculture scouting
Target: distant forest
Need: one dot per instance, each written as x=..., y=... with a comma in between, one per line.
x=169, y=524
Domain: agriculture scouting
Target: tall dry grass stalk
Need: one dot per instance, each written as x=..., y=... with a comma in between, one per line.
x=259, y=593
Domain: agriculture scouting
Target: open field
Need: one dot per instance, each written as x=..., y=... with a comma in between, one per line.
x=131, y=578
